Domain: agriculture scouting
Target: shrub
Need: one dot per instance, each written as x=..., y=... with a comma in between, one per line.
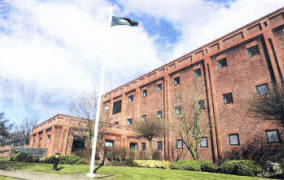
x=241, y=167
x=151, y=164
x=66, y=159
x=131, y=155
x=142, y=155
x=187, y=165
x=209, y=166
x=24, y=157
x=157, y=155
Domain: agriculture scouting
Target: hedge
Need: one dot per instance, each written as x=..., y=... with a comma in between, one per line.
x=241, y=167
x=66, y=159
x=192, y=165
x=23, y=157
x=151, y=163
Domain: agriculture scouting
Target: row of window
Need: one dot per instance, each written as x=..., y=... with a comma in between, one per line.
x=134, y=145
x=252, y=51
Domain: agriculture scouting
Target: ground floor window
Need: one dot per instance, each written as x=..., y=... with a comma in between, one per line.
x=143, y=146
x=204, y=142
x=234, y=139
x=133, y=146
x=179, y=144
x=109, y=143
x=272, y=136
x=160, y=145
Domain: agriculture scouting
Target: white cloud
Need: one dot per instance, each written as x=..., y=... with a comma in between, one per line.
x=59, y=46
x=202, y=21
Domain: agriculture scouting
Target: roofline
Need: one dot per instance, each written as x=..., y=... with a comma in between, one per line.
x=212, y=42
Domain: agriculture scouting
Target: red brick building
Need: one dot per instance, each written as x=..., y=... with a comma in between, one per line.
x=61, y=133
x=230, y=69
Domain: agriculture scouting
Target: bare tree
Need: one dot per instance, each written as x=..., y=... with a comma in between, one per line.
x=191, y=122
x=150, y=128
x=268, y=106
x=27, y=127
x=5, y=126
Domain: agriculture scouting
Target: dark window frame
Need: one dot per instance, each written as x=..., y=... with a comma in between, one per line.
x=109, y=140
x=160, y=112
x=253, y=49
x=116, y=109
x=259, y=92
x=176, y=81
x=131, y=143
x=143, y=146
x=144, y=117
x=201, y=104
x=179, y=140
x=234, y=134
x=278, y=135
x=178, y=108
x=205, y=137
x=144, y=93
x=128, y=120
x=222, y=63
x=159, y=87
x=225, y=100
x=197, y=73
x=159, y=145
x=116, y=122
x=131, y=98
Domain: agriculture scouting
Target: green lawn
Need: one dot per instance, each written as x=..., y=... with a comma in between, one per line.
x=122, y=172
x=7, y=178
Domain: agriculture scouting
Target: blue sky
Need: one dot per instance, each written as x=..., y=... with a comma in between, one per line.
x=52, y=50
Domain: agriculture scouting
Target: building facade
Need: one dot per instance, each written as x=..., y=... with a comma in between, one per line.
x=229, y=71
x=61, y=133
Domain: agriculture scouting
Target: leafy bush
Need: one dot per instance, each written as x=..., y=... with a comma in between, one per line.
x=209, y=166
x=241, y=167
x=66, y=159
x=151, y=164
x=24, y=157
x=187, y=165
x=157, y=155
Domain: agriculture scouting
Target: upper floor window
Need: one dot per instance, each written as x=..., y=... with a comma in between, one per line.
x=159, y=114
x=201, y=105
x=234, y=139
x=159, y=87
x=133, y=146
x=272, y=136
x=204, y=142
x=253, y=51
x=222, y=63
x=179, y=144
x=144, y=93
x=130, y=98
x=197, y=72
x=228, y=98
x=144, y=117
x=109, y=143
x=129, y=121
x=262, y=89
x=106, y=108
x=178, y=109
x=160, y=145
x=116, y=107
x=176, y=80
x=116, y=122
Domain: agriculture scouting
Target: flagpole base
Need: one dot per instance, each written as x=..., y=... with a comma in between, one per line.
x=91, y=175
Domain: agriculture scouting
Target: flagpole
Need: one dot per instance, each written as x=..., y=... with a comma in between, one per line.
x=100, y=93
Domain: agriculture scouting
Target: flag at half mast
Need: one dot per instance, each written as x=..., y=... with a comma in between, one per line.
x=122, y=21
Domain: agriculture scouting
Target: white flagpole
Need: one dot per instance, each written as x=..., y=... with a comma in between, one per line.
x=96, y=126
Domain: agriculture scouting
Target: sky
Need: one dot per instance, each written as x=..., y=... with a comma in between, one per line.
x=51, y=51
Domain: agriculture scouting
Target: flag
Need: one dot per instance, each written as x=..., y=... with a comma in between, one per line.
x=122, y=21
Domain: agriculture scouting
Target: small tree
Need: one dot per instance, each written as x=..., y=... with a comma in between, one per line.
x=269, y=106
x=191, y=120
x=5, y=126
x=149, y=129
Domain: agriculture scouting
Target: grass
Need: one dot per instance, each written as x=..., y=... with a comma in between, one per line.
x=123, y=172
x=7, y=178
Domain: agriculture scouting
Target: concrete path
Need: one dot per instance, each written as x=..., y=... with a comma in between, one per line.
x=35, y=175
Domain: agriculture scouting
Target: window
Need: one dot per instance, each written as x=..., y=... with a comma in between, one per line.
x=129, y=121
x=253, y=51
x=201, y=105
x=144, y=117
x=234, y=139
x=159, y=114
x=130, y=98
x=106, y=108
x=197, y=72
x=116, y=122
x=222, y=63
x=262, y=89
x=228, y=98
x=160, y=145
x=116, y=107
x=144, y=93
x=272, y=136
x=178, y=109
x=143, y=146
x=159, y=87
x=109, y=143
x=179, y=144
x=133, y=146
x=176, y=80
x=204, y=142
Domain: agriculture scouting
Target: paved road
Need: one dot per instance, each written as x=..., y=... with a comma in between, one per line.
x=35, y=175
